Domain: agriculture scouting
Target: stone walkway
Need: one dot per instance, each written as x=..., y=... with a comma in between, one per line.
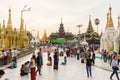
x=74, y=70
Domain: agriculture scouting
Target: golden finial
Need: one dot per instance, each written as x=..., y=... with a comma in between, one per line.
x=9, y=23
x=110, y=19
x=44, y=38
x=9, y=20
x=107, y=21
x=118, y=21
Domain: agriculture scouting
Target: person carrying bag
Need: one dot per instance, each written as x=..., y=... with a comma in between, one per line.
x=115, y=68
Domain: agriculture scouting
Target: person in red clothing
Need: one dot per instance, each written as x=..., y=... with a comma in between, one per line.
x=5, y=57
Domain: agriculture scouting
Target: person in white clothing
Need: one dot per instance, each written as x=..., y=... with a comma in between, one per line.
x=114, y=65
x=14, y=54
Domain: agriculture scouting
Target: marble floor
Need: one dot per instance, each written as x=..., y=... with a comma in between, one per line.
x=74, y=70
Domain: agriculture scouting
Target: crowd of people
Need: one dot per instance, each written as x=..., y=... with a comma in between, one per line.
x=113, y=59
x=9, y=56
x=86, y=54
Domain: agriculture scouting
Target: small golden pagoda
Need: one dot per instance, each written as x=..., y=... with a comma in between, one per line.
x=44, y=38
x=10, y=38
x=109, y=19
x=38, y=38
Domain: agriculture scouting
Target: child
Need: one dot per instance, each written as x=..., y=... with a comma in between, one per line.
x=14, y=64
x=65, y=61
x=50, y=62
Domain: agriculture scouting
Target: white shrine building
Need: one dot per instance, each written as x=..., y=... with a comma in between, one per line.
x=110, y=39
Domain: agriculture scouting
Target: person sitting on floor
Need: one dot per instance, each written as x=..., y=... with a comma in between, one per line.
x=50, y=62
x=22, y=70
x=65, y=61
x=2, y=72
x=14, y=64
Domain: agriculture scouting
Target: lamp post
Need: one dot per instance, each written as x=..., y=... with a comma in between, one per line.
x=79, y=32
x=24, y=10
x=97, y=22
x=22, y=21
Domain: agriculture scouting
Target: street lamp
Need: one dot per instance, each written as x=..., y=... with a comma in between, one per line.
x=22, y=21
x=79, y=28
x=97, y=22
x=79, y=31
x=24, y=10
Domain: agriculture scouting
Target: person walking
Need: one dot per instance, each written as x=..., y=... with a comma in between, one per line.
x=88, y=66
x=114, y=65
x=56, y=60
x=39, y=64
x=78, y=54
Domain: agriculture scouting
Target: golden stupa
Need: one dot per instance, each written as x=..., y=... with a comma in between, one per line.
x=10, y=38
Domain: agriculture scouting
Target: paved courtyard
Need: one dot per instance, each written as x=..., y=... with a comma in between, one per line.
x=74, y=70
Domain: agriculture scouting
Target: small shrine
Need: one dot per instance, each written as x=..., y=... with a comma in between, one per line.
x=91, y=36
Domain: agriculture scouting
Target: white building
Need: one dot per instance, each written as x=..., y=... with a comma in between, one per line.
x=107, y=41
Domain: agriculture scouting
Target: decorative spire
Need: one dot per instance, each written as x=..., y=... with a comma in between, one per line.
x=61, y=30
x=3, y=27
x=44, y=38
x=22, y=24
x=38, y=38
x=90, y=28
x=110, y=19
x=9, y=24
x=61, y=25
x=107, y=20
x=118, y=21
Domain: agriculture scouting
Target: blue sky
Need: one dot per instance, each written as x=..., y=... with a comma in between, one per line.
x=46, y=14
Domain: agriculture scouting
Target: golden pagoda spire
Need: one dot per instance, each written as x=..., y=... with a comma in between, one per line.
x=90, y=28
x=9, y=24
x=38, y=38
x=118, y=21
x=107, y=21
x=44, y=38
x=22, y=24
x=110, y=18
x=3, y=27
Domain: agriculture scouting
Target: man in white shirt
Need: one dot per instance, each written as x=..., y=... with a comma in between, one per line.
x=14, y=54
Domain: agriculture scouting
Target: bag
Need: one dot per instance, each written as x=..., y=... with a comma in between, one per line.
x=115, y=68
x=82, y=60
